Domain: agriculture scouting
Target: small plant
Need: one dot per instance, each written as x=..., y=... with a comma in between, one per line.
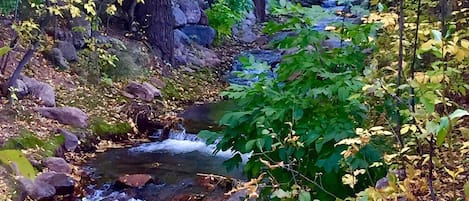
x=225, y=13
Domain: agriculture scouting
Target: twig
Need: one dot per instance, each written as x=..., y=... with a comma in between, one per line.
x=430, y=170
x=399, y=73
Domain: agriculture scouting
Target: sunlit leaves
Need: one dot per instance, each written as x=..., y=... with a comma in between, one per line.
x=90, y=7
x=75, y=11
x=111, y=9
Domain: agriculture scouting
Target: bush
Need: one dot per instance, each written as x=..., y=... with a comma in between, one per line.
x=298, y=125
x=7, y=6
x=226, y=13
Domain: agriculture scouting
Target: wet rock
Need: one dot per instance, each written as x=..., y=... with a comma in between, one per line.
x=144, y=91
x=57, y=164
x=56, y=56
x=134, y=180
x=71, y=140
x=68, y=50
x=63, y=184
x=272, y=58
x=65, y=115
x=202, y=35
x=191, y=9
x=37, y=190
x=179, y=17
x=40, y=90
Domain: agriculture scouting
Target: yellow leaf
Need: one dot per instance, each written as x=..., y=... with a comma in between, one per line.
x=111, y=9
x=427, y=45
x=436, y=78
x=120, y=2
x=74, y=11
x=460, y=55
x=465, y=43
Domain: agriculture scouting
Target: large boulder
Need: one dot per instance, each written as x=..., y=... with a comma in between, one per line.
x=81, y=24
x=179, y=17
x=144, y=91
x=191, y=9
x=40, y=90
x=37, y=190
x=65, y=115
x=63, y=184
x=202, y=35
x=57, y=164
x=68, y=50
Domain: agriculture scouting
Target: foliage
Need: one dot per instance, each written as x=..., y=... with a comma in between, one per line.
x=7, y=6
x=17, y=161
x=225, y=13
x=103, y=128
x=295, y=124
x=27, y=140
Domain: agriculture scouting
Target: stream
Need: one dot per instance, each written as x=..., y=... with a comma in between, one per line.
x=175, y=163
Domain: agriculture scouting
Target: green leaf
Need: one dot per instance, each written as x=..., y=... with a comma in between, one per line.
x=209, y=136
x=305, y=196
x=458, y=114
x=466, y=189
x=15, y=158
x=4, y=50
x=442, y=131
x=250, y=144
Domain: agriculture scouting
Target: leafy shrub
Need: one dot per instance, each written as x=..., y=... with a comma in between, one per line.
x=298, y=123
x=7, y=6
x=225, y=13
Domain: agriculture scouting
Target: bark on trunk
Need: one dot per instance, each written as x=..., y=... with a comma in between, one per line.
x=160, y=31
x=260, y=10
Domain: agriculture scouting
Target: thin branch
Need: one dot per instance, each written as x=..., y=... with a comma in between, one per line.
x=399, y=73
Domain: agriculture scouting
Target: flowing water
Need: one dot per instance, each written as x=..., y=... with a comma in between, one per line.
x=173, y=163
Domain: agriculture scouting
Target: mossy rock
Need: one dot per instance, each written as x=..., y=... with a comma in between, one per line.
x=105, y=130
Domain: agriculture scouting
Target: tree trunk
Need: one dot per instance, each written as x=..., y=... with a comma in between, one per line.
x=160, y=19
x=260, y=10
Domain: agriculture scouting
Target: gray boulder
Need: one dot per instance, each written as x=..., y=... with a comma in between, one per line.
x=202, y=35
x=56, y=56
x=40, y=90
x=71, y=140
x=37, y=190
x=57, y=164
x=248, y=37
x=63, y=184
x=144, y=91
x=180, y=39
x=65, y=115
x=191, y=9
x=69, y=51
x=179, y=17
x=21, y=89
